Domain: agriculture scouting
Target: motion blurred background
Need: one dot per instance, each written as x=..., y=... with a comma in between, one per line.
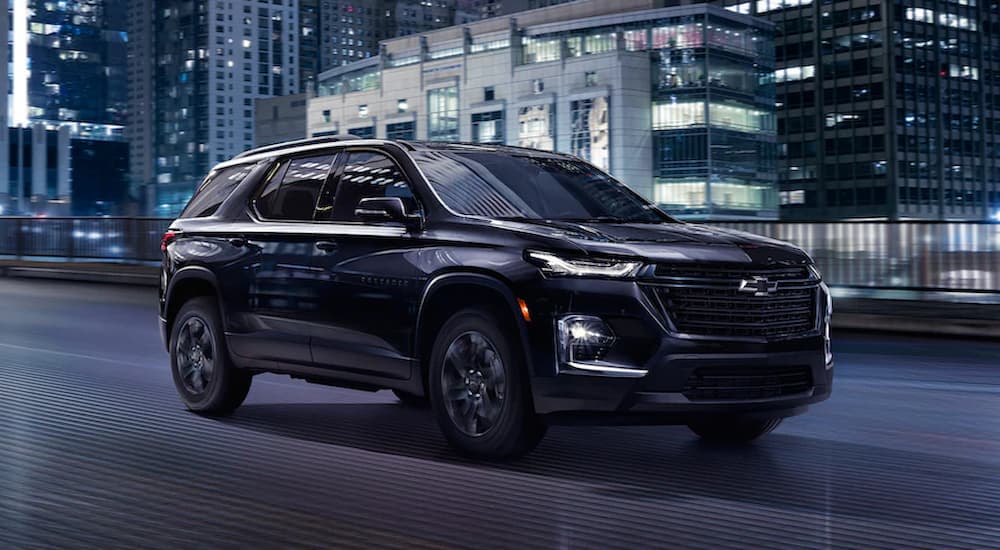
x=862, y=131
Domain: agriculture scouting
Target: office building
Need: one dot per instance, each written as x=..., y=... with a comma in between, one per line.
x=676, y=102
x=310, y=42
x=67, y=64
x=484, y=9
x=204, y=66
x=885, y=109
x=65, y=81
x=351, y=31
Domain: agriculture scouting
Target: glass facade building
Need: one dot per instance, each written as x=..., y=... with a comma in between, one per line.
x=201, y=72
x=67, y=65
x=678, y=102
x=885, y=109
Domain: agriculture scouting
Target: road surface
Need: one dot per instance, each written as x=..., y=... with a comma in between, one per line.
x=97, y=451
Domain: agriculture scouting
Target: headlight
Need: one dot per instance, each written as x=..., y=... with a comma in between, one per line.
x=559, y=266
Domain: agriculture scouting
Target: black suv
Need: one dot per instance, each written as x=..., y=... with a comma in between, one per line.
x=509, y=288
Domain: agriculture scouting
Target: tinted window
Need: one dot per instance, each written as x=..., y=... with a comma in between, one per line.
x=216, y=188
x=292, y=192
x=497, y=185
x=368, y=174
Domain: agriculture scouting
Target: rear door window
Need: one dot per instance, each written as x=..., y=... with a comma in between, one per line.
x=294, y=189
x=214, y=191
x=366, y=174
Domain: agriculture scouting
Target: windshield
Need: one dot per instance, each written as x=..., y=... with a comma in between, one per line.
x=504, y=186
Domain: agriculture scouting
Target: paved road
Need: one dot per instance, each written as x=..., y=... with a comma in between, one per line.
x=96, y=451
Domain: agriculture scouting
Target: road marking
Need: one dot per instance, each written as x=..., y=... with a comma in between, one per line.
x=71, y=354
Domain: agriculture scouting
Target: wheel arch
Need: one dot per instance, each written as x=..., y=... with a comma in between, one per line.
x=185, y=284
x=438, y=303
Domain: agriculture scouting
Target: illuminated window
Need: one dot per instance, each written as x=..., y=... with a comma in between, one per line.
x=790, y=74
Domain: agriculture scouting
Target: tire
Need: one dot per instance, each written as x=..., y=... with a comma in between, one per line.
x=412, y=401
x=477, y=367
x=205, y=377
x=734, y=430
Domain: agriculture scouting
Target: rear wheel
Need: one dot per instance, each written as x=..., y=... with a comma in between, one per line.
x=203, y=374
x=734, y=429
x=479, y=388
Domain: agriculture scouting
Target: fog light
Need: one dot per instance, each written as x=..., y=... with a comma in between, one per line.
x=584, y=339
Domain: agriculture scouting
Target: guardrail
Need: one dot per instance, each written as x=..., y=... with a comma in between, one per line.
x=83, y=239
x=953, y=256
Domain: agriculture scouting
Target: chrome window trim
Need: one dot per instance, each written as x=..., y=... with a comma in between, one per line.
x=267, y=227
x=300, y=149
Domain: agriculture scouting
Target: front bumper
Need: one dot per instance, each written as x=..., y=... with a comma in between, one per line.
x=664, y=395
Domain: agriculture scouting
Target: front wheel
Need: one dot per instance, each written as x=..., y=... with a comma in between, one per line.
x=734, y=430
x=206, y=379
x=479, y=388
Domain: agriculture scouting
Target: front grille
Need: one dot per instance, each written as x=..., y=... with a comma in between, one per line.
x=731, y=383
x=708, y=301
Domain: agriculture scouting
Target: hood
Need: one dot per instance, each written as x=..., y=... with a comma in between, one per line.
x=666, y=242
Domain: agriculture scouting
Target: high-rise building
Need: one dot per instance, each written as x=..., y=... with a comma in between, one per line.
x=67, y=65
x=65, y=81
x=484, y=9
x=139, y=127
x=310, y=42
x=350, y=31
x=885, y=109
x=209, y=61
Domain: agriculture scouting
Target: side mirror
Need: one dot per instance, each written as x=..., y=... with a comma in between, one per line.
x=387, y=209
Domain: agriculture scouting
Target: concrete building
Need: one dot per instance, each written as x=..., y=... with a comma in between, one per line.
x=676, y=102
x=279, y=119
x=886, y=109
x=210, y=61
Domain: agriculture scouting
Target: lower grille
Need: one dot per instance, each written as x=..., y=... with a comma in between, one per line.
x=732, y=383
x=711, y=302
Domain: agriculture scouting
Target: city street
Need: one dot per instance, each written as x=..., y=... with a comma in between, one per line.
x=97, y=451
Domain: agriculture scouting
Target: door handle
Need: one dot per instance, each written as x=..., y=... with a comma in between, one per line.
x=326, y=246
x=238, y=242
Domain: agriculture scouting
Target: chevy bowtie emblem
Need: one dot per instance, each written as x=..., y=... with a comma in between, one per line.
x=758, y=286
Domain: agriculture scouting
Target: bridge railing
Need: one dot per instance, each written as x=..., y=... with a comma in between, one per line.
x=84, y=239
x=955, y=256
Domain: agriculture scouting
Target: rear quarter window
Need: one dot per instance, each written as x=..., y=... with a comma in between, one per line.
x=216, y=188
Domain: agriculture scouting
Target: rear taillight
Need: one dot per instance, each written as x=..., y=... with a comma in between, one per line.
x=167, y=238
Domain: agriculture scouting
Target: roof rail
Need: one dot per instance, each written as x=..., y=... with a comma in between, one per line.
x=296, y=143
